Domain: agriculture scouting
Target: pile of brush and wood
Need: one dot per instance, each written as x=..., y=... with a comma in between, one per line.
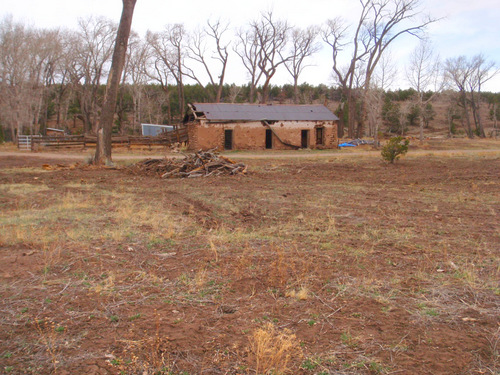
x=199, y=164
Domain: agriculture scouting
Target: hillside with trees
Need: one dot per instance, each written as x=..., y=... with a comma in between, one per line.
x=56, y=78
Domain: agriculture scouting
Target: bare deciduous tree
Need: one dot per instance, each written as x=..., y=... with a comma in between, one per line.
x=482, y=72
x=234, y=91
x=335, y=34
x=158, y=71
x=271, y=37
x=63, y=89
x=14, y=74
x=261, y=49
x=247, y=49
x=380, y=23
x=103, y=151
x=29, y=60
x=169, y=52
x=93, y=48
x=383, y=78
x=198, y=53
x=47, y=53
x=303, y=46
x=136, y=74
x=424, y=75
x=468, y=76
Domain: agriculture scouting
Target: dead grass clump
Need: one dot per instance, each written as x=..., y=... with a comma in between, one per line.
x=51, y=255
x=302, y=294
x=107, y=286
x=150, y=355
x=279, y=267
x=48, y=338
x=273, y=350
x=288, y=264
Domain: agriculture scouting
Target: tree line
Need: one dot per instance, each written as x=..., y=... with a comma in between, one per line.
x=60, y=74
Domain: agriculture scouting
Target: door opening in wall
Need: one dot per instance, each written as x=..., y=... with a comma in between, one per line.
x=269, y=138
x=320, y=136
x=228, y=139
x=305, y=139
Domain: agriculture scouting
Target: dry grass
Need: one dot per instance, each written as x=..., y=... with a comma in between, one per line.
x=302, y=294
x=90, y=216
x=273, y=350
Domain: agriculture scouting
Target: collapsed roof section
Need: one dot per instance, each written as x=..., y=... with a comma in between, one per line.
x=260, y=112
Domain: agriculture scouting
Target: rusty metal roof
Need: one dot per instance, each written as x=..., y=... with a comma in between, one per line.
x=258, y=112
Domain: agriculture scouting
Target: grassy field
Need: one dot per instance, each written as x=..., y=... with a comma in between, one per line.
x=304, y=266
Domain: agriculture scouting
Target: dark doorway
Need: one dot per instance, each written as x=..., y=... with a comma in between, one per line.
x=319, y=136
x=305, y=139
x=269, y=138
x=228, y=139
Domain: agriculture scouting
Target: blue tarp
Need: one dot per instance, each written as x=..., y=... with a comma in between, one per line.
x=356, y=142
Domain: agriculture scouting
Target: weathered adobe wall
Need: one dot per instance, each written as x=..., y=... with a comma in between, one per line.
x=252, y=135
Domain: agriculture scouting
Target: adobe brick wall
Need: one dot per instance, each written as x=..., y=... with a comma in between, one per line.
x=252, y=135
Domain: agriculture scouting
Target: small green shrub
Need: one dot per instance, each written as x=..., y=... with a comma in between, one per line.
x=310, y=364
x=134, y=317
x=396, y=147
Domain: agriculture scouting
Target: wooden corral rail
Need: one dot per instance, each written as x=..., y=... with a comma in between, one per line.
x=178, y=135
x=24, y=142
x=57, y=141
x=165, y=139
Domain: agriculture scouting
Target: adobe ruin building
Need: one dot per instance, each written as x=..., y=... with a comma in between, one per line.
x=260, y=126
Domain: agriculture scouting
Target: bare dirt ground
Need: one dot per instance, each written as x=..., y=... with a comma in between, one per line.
x=438, y=146
x=314, y=265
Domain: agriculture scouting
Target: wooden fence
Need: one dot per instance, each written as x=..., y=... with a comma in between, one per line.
x=25, y=142
x=164, y=139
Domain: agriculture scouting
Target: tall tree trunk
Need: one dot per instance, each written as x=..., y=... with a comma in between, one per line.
x=421, y=115
x=295, y=91
x=482, y=134
x=341, y=125
x=470, y=134
x=134, y=113
x=109, y=106
x=475, y=114
x=180, y=93
x=450, y=124
x=221, y=84
x=251, y=95
x=351, y=119
x=13, y=137
x=495, y=118
x=86, y=113
x=265, y=91
x=180, y=85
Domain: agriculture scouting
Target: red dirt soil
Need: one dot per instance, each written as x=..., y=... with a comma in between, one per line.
x=400, y=263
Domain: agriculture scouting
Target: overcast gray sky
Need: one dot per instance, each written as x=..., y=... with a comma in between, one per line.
x=468, y=27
